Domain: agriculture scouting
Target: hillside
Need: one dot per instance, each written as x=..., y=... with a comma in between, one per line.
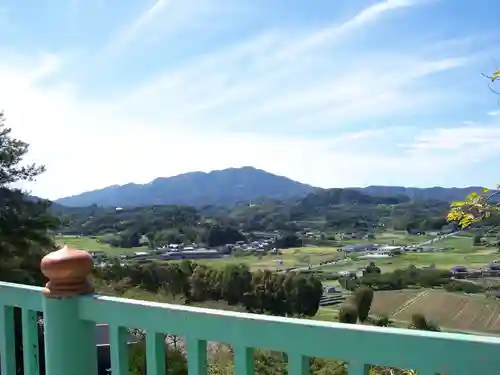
x=223, y=188
x=326, y=208
x=421, y=194
x=229, y=187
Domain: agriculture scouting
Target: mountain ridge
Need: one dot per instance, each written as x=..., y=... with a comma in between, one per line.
x=231, y=186
x=219, y=187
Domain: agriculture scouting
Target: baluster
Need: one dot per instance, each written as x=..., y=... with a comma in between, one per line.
x=358, y=368
x=197, y=356
x=244, y=363
x=155, y=353
x=298, y=364
x=30, y=342
x=118, y=341
x=7, y=341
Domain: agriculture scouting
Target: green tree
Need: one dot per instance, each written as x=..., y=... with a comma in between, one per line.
x=348, y=313
x=475, y=208
x=363, y=297
x=418, y=321
x=372, y=269
x=24, y=220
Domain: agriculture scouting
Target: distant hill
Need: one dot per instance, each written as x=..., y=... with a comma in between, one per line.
x=222, y=188
x=421, y=194
x=233, y=186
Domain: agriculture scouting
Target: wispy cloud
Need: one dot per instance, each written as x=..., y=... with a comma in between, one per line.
x=306, y=102
x=139, y=25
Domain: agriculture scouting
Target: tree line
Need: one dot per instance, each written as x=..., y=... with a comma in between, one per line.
x=399, y=278
x=328, y=210
x=263, y=291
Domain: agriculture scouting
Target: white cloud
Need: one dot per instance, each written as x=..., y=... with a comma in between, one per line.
x=494, y=113
x=138, y=25
x=241, y=105
x=85, y=146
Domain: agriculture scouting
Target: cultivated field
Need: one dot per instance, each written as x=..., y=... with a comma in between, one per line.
x=390, y=237
x=296, y=257
x=449, y=310
x=91, y=244
x=390, y=302
x=460, y=252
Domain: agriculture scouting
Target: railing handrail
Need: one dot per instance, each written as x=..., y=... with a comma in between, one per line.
x=318, y=338
x=71, y=312
x=20, y=300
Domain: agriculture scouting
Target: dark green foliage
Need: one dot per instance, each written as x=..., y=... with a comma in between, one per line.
x=348, y=313
x=411, y=276
x=418, y=321
x=325, y=210
x=218, y=236
x=290, y=294
x=477, y=239
x=464, y=286
x=24, y=222
x=175, y=361
x=363, y=297
x=381, y=321
x=349, y=283
x=372, y=269
x=288, y=241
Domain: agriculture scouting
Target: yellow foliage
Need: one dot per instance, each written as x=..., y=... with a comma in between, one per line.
x=474, y=208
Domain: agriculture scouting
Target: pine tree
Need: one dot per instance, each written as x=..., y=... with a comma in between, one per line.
x=24, y=220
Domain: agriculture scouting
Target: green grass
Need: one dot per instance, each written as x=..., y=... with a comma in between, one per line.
x=327, y=313
x=461, y=253
x=390, y=237
x=296, y=257
x=91, y=244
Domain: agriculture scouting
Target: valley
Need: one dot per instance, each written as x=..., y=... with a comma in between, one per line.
x=316, y=236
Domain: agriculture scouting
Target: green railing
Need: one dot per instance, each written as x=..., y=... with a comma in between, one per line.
x=69, y=328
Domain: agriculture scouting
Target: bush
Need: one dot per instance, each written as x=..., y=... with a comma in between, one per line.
x=177, y=363
x=418, y=321
x=463, y=286
x=348, y=313
x=363, y=298
x=381, y=321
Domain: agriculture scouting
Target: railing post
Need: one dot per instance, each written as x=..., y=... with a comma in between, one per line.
x=70, y=346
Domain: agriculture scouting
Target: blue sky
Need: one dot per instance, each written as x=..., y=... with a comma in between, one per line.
x=331, y=93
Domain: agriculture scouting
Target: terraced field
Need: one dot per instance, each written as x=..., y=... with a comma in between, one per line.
x=449, y=310
x=389, y=302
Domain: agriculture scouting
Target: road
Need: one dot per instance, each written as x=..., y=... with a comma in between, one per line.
x=315, y=266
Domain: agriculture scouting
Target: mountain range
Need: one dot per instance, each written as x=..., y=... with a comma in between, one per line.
x=231, y=186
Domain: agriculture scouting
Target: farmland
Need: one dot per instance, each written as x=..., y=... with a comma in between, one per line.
x=449, y=310
x=459, y=252
x=296, y=257
x=92, y=244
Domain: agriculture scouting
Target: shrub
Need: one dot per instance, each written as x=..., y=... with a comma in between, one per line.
x=348, y=314
x=363, y=298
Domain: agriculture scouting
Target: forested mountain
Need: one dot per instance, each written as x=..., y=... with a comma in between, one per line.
x=229, y=187
x=421, y=194
x=223, y=188
x=335, y=209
